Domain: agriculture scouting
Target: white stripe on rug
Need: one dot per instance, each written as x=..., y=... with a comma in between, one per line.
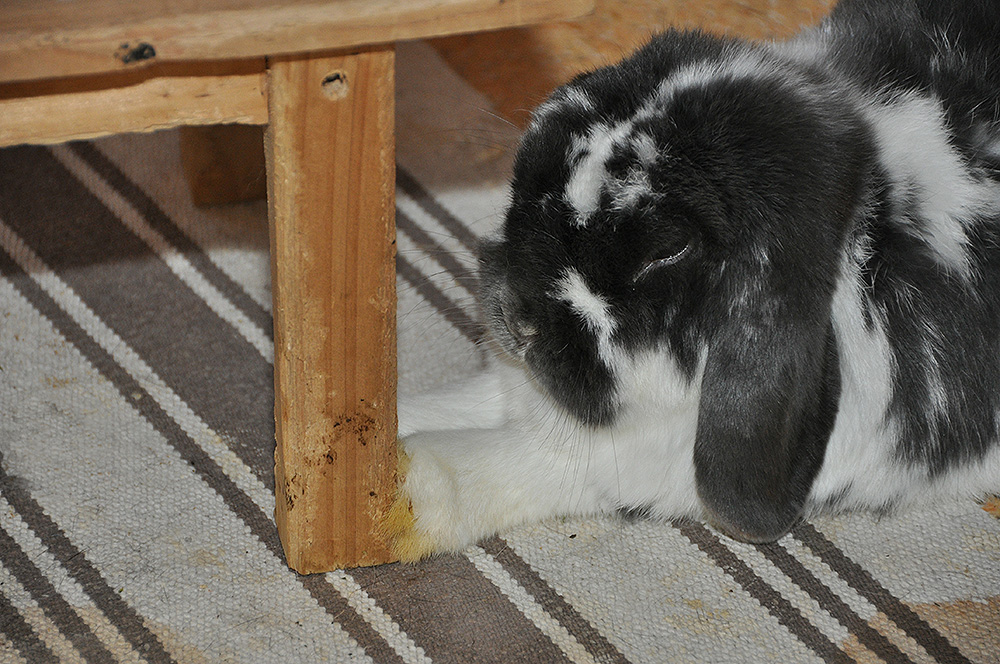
x=46, y=631
x=861, y=606
x=178, y=264
x=787, y=588
x=177, y=409
x=526, y=604
x=373, y=614
x=129, y=360
x=67, y=586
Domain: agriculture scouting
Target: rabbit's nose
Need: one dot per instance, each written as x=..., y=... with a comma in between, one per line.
x=522, y=332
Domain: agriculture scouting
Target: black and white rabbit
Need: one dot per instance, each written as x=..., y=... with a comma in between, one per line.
x=740, y=282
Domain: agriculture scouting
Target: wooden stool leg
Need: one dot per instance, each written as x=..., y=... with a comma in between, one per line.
x=330, y=160
x=224, y=163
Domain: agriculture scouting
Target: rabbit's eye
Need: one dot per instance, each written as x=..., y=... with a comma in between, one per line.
x=663, y=261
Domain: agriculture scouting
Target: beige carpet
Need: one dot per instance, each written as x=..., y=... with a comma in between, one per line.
x=136, y=436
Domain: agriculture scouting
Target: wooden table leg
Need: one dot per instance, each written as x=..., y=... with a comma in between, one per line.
x=224, y=163
x=331, y=167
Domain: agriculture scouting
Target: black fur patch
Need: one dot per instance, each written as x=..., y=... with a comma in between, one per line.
x=943, y=331
x=766, y=172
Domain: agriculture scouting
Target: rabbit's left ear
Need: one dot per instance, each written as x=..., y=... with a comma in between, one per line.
x=769, y=400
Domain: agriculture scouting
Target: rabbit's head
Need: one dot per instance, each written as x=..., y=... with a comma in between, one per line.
x=693, y=201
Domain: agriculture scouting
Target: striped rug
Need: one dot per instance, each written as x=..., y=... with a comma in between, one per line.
x=136, y=434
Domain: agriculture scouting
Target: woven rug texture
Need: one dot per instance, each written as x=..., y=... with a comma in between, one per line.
x=137, y=439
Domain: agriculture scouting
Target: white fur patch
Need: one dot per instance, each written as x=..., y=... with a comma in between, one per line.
x=464, y=483
x=917, y=152
x=591, y=154
x=860, y=453
x=590, y=306
x=628, y=192
x=860, y=456
x=645, y=148
x=750, y=65
x=653, y=442
x=590, y=176
x=595, y=312
x=566, y=98
x=474, y=403
x=932, y=348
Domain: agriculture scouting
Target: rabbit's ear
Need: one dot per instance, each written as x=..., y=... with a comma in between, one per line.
x=768, y=403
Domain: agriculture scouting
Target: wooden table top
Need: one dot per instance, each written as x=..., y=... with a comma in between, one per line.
x=58, y=38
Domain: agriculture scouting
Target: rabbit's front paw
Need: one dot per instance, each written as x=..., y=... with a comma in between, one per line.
x=424, y=519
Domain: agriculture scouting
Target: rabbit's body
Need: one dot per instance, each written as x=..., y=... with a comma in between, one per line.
x=740, y=282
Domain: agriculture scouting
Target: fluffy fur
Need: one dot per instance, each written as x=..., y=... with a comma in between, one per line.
x=738, y=282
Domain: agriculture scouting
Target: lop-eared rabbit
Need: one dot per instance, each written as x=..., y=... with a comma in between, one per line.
x=739, y=282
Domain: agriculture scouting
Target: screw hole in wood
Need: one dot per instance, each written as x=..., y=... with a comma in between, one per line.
x=335, y=85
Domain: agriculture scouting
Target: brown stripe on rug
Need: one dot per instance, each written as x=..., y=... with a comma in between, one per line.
x=832, y=604
x=412, y=188
x=210, y=366
x=554, y=603
x=22, y=636
x=125, y=619
x=261, y=525
x=163, y=285
x=158, y=219
x=868, y=587
x=456, y=615
x=422, y=239
x=766, y=596
x=451, y=312
x=58, y=610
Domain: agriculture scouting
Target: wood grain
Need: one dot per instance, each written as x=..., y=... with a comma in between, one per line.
x=46, y=38
x=330, y=156
x=518, y=67
x=52, y=111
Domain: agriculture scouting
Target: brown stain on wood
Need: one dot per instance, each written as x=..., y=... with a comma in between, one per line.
x=332, y=160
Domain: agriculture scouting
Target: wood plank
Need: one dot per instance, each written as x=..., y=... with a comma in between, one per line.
x=518, y=68
x=330, y=156
x=57, y=110
x=46, y=38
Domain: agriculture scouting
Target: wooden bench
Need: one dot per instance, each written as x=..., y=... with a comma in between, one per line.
x=320, y=76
